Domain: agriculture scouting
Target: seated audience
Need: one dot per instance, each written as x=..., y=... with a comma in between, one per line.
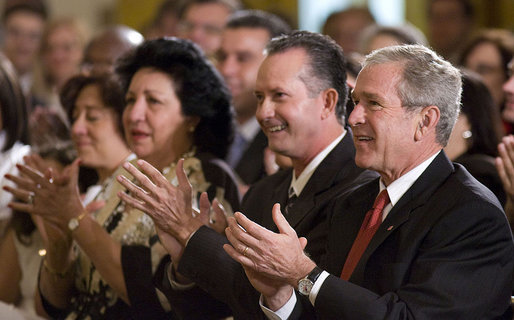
x=436, y=243
x=304, y=121
x=165, y=118
x=94, y=106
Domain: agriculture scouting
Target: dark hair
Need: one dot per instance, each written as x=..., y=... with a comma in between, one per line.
x=231, y=5
x=109, y=89
x=483, y=115
x=258, y=19
x=503, y=40
x=12, y=106
x=327, y=63
x=198, y=85
x=37, y=7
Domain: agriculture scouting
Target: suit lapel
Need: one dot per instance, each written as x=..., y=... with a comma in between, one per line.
x=330, y=171
x=345, y=225
x=415, y=197
x=279, y=194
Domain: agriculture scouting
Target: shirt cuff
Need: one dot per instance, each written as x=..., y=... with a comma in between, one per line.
x=282, y=313
x=173, y=283
x=317, y=285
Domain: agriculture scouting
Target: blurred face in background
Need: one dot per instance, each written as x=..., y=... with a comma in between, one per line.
x=203, y=24
x=95, y=133
x=62, y=53
x=448, y=25
x=485, y=59
x=22, y=40
x=239, y=58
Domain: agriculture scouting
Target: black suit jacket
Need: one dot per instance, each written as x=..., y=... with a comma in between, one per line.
x=250, y=167
x=205, y=262
x=445, y=251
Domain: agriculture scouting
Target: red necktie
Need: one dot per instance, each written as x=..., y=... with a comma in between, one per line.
x=368, y=228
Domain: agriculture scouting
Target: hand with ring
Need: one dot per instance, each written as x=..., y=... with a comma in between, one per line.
x=53, y=195
x=30, y=200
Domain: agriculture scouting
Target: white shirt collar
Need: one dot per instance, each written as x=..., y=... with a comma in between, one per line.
x=398, y=187
x=249, y=129
x=299, y=183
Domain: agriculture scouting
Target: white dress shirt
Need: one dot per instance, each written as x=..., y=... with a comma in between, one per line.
x=395, y=191
x=299, y=183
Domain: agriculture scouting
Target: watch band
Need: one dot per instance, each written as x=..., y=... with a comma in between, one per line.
x=305, y=284
x=75, y=222
x=314, y=274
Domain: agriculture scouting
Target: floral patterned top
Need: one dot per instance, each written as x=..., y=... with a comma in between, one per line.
x=142, y=253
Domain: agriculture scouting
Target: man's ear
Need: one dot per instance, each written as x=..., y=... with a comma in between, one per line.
x=330, y=97
x=427, y=122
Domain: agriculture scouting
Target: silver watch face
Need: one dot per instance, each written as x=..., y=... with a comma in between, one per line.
x=73, y=224
x=305, y=286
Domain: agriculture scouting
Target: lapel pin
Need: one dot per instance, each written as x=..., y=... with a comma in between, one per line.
x=390, y=228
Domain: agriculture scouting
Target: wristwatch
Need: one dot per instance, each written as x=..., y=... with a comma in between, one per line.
x=74, y=222
x=305, y=284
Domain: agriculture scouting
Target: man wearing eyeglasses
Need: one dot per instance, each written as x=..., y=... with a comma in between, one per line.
x=202, y=22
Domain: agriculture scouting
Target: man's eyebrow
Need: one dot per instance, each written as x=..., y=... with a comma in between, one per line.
x=367, y=95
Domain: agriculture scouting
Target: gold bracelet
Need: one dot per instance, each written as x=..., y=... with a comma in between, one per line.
x=54, y=272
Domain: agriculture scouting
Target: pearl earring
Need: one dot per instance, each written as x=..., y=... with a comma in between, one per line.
x=467, y=134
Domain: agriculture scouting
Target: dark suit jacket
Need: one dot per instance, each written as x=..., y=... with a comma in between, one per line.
x=250, y=167
x=205, y=262
x=482, y=167
x=445, y=251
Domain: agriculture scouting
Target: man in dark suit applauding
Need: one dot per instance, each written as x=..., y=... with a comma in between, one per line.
x=435, y=244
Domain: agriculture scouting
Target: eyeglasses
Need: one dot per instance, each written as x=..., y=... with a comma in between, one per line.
x=209, y=29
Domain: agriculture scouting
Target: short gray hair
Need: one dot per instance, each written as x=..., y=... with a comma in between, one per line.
x=427, y=80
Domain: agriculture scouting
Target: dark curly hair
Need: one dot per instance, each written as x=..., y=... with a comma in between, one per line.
x=199, y=87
